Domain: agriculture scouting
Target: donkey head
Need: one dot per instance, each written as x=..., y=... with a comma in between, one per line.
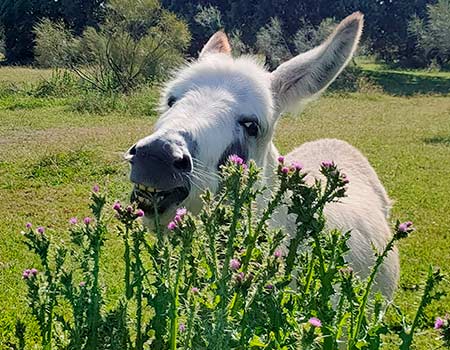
x=220, y=105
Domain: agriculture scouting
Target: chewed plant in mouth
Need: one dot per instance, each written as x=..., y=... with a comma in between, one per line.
x=222, y=279
x=152, y=200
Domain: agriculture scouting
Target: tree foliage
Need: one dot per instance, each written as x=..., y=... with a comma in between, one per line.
x=432, y=33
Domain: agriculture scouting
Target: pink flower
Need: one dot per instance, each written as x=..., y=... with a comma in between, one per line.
x=87, y=220
x=405, y=227
x=284, y=170
x=281, y=159
x=33, y=271
x=28, y=225
x=181, y=212
x=296, y=166
x=182, y=327
x=439, y=323
x=140, y=213
x=172, y=225
x=345, y=179
x=278, y=253
x=240, y=277
x=328, y=164
x=234, y=158
x=130, y=209
x=117, y=206
x=82, y=284
x=95, y=189
x=315, y=322
x=73, y=221
x=177, y=218
x=195, y=290
x=235, y=264
x=40, y=229
x=26, y=274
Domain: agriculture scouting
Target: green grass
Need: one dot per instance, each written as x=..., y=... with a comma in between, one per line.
x=51, y=155
x=406, y=82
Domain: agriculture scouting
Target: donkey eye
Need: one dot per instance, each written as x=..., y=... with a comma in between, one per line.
x=171, y=101
x=251, y=128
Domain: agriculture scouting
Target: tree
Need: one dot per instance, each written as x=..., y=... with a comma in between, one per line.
x=432, y=33
x=19, y=17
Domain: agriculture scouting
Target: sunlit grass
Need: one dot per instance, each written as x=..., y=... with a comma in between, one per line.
x=51, y=155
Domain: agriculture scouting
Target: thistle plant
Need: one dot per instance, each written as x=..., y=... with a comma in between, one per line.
x=226, y=278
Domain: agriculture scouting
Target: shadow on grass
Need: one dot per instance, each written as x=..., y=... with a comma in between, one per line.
x=438, y=140
x=408, y=84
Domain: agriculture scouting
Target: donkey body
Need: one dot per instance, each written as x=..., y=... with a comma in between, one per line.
x=220, y=105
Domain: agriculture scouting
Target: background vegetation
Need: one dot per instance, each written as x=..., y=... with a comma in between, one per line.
x=411, y=33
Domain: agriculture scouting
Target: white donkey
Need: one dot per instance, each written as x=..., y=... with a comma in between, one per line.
x=220, y=105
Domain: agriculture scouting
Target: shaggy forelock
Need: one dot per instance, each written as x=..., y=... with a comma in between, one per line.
x=243, y=79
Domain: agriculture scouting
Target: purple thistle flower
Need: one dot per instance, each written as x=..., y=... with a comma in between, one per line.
x=285, y=170
x=130, y=209
x=235, y=264
x=315, y=322
x=345, y=179
x=82, y=284
x=195, y=290
x=181, y=212
x=296, y=166
x=87, y=220
x=95, y=189
x=281, y=159
x=140, y=213
x=28, y=225
x=73, y=221
x=117, y=206
x=234, y=158
x=439, y=323
x=405, y=227
x=26, y=274
x=278, y=253
x=177, y=218
x=328, y=164
x=40, y=230
x=33, y=271
x=182, y=327
x=240, y=277
x=269, y=287
x=172, y=225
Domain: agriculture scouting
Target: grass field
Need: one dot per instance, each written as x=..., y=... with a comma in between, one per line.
x=50, y=156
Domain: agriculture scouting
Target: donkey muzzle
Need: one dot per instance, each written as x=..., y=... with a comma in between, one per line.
x=160, y=168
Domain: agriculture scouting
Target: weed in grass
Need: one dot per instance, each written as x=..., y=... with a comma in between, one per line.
x=219, y=280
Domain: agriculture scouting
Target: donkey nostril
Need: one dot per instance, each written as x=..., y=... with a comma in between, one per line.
x=183, y=164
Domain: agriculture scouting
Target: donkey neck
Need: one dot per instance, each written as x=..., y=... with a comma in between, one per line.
x=270, y=164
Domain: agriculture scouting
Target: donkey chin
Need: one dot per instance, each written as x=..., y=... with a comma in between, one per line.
x=221, y=105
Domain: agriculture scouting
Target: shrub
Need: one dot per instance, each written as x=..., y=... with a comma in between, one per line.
x=271, y=42
x=432, y=33
x=138, y=42
x=55, y=45
x=219, y=280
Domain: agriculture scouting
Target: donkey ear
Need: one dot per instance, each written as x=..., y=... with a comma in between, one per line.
x=218, y=43
x=310, y=73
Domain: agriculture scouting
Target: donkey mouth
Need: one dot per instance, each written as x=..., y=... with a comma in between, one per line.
x=150, y=199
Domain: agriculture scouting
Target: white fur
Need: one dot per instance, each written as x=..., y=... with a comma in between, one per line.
x=215, y=91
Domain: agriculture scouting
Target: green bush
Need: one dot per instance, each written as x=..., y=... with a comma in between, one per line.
x=138, y=42
x=220, y=280
x=55, y=45
x=432, y=34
